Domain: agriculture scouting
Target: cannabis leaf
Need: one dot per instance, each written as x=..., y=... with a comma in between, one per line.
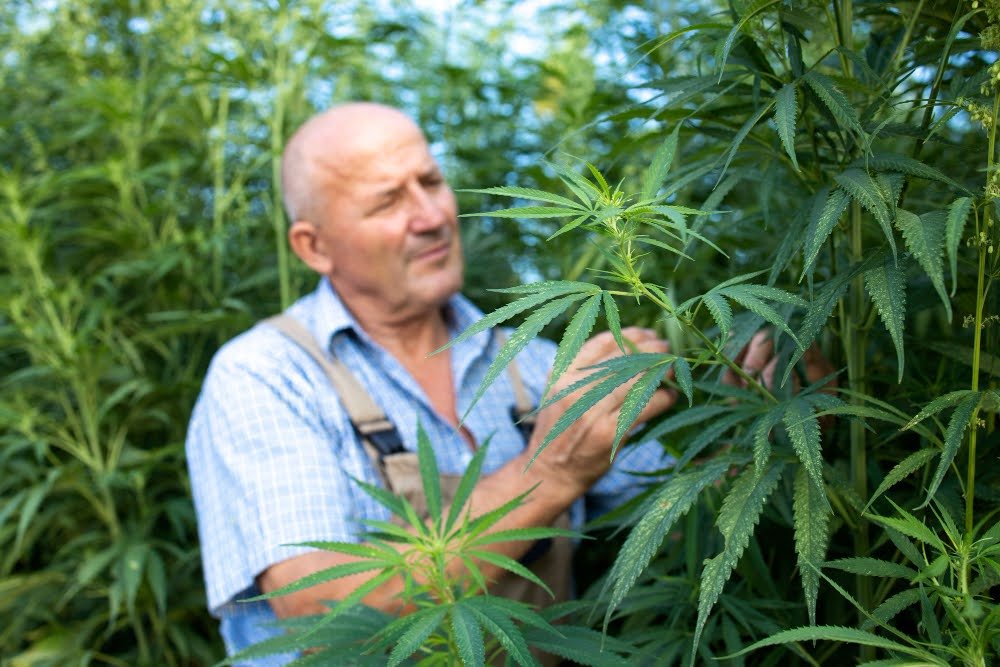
x=785, y=113
x=812, y=533
x=886, y=284
x=736, y=520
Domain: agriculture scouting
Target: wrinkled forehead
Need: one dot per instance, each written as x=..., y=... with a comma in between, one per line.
x=377, y=156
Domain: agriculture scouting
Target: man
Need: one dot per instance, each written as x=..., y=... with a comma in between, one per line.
x=271, y=449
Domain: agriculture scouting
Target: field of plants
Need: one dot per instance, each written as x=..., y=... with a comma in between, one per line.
x=822, y=169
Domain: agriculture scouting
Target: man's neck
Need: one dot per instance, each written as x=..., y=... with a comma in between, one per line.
x=408, y=338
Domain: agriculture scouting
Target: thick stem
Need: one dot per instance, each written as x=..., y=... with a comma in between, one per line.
x=854, y=340
x=280, y=75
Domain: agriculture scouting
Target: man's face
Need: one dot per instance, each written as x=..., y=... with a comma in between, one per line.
x=388, y=222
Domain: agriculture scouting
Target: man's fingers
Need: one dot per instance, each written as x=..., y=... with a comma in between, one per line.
x=759, y=352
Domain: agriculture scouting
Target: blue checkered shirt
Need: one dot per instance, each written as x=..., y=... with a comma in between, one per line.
x=271, y=451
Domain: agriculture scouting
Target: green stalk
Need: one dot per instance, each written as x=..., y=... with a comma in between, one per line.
x=970, y=478
x=277, y=126
x=854, y=341
x=219, y=192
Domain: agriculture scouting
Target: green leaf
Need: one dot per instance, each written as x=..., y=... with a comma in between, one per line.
x=901, y=470
x=740, y=512
x=624, y=369
x=131, y=569
x=864, y=190
x=580, y=186
x=635, y=400
x=939, y=404
x=742, y=134
x=670, y=503
x=658, y=169
x=574, y=337
x=422, y=624
x=924, y=236
x=494, y=620
x=466, y=485
x=886, y=284
x=834, y=100
x=580, y=645
x=429, y=475
x=520, y=338
x=719, y=308
x=821, y=306
x=682, y=374
x=746, y=298
x=886, y=611
x=569, y=226
x=468, y=636
x=872, y=567
x=774, y=294
x=954, y=435
x=684, y=418
x=614, y=321
x=605, y=189
x=803, y=430
x=749, y=11
x=509, y=564
x=527, y=212
x=785, y=115
x=812, y=534
x=909, y=525
x=537, y=293
x=909, y=166
x=523, y=534
x=823, y=226
x=839, y=634
x=156, y=577
x=529, y=193
x=324, y=575
x=710, y=435
x=761, y=432
x=958, y=214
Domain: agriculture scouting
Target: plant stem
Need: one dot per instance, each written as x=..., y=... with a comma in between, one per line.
x=854, y=340
x=970, y=477
x=277, y=122
x=710, y=344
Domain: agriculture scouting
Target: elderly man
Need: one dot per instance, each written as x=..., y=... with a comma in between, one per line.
x=271, y=447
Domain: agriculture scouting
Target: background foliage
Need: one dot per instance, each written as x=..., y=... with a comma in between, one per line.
x=140, y=227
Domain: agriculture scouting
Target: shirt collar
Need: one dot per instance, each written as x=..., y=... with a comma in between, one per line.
x=327, y=316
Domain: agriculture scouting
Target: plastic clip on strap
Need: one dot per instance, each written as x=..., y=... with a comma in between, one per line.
x=382, y=435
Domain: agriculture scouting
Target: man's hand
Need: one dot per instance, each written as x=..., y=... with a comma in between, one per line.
x=758, y=361
x=581, y=454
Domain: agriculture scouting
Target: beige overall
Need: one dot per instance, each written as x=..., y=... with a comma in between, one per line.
x=401, y=473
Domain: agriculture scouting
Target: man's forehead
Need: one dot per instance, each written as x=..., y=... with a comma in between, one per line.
x=381, y=163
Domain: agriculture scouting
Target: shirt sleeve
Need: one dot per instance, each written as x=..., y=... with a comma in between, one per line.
x=266, y=472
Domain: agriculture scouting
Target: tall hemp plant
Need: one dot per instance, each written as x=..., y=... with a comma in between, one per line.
x=835, y=185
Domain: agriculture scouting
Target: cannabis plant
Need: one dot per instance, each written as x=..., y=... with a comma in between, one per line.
x=825, y=203
x=451, y=619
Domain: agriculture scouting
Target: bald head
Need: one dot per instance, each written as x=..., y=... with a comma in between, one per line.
x=325, y=149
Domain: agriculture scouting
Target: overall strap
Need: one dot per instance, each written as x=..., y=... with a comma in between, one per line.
x=522, y=412
x=368, y=419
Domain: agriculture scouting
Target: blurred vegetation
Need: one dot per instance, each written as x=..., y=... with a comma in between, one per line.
x=140, y=227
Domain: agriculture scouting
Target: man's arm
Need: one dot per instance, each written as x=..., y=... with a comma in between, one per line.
x=563, y=473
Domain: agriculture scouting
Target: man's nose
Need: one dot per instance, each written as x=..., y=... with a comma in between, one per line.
x=428, y=212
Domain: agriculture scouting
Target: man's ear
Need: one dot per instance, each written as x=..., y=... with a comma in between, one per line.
x=304, y=238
